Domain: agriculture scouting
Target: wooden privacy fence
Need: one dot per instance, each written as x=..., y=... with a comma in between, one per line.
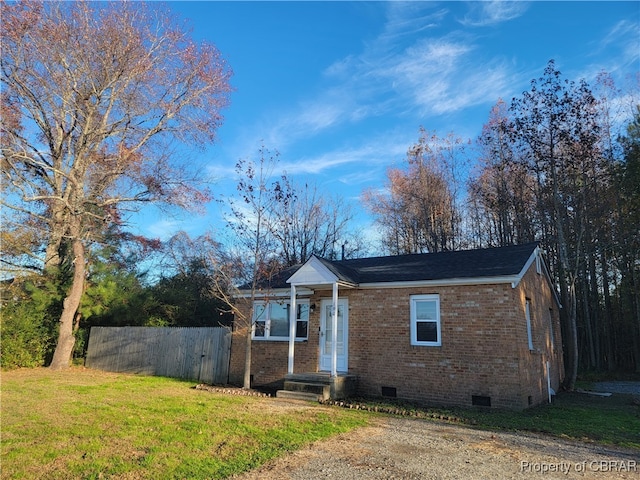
x=194, y=353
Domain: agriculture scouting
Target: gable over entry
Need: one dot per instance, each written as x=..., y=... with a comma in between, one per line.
x=317, y=274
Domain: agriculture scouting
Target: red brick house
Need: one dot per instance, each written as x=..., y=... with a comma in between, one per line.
x=472, y=327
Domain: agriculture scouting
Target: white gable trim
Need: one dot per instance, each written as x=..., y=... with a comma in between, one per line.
x=541, y=269
x=313, y=272
x=534, y=257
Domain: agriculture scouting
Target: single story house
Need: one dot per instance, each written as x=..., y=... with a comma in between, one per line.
x=471, y=327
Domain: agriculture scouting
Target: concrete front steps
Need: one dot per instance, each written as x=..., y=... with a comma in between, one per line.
x=317, y=386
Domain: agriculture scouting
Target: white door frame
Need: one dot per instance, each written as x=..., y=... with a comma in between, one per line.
x=330, y=360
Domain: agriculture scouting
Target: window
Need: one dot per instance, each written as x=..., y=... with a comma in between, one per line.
x=425, y=320
x=552, y=337
x=528, y=317
x=271, y=320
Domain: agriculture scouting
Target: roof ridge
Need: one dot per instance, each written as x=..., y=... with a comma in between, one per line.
x=444, y=252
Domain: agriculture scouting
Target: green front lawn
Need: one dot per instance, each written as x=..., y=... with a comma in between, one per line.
x=89, y=424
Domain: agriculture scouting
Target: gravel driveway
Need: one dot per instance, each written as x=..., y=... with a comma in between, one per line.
x=403, y=448
x=618, y=387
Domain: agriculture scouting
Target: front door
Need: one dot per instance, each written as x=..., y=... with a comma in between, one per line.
x=326, y=335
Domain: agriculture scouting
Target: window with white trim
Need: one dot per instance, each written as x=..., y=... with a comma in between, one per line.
x=527, y=312
x=271, y=320
x=552, y=337
x=425, y=320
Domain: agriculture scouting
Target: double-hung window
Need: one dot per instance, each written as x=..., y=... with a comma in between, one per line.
x=425, y=320
x=552, y=337
x=527, y=313
x=271, y=320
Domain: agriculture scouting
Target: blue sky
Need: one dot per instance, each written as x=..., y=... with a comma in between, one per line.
x=340, y=89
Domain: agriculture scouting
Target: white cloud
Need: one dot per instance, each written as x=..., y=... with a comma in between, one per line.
x=407, y=71
x=303, y=121
x=410, y=18
x=164, y=229
x=220, y=172
x=374, y=153
x=490, y=13
x=624, y=35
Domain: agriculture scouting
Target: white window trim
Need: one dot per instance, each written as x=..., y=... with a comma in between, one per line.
x=413, y=321
x=527, y=311
x=267, y=328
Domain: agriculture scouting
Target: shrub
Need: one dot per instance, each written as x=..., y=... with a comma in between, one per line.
x=28, y=326
x=27, y=337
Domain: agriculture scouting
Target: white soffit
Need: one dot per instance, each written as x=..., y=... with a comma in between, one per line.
x=276, y=293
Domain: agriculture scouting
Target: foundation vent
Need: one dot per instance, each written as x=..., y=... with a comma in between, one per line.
x=389, y=392
x=480, y=400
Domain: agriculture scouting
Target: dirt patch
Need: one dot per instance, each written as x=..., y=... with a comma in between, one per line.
x=405, y=448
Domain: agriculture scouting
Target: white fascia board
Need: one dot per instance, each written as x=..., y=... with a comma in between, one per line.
x=313, y=272
x=541, y=269
x=276, y=293
x=532, y=258
x=512, y=279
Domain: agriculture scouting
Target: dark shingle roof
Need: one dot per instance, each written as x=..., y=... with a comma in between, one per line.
x=489, y=262
x=461, y=264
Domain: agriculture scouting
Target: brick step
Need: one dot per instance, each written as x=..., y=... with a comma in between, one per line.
x=323, y=389
x=297, y=395
x=309, y=377
x=322, y=383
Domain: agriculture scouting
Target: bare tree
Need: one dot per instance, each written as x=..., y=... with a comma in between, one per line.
x=556, y=128
x=94, y=98
x=315, y=224
x=420, y=211
x=627, y=227
x=502, y=190
x=253, y=219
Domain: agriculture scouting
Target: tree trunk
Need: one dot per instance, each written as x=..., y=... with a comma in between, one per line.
x=596, y=310
x=573, y=337
x=636, y=312
x=66, y=338
x=57, y=224
x=586, y=311
x=246, y=384
x=607, y=317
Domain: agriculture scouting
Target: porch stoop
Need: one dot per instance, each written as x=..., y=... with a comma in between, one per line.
x=318, y=386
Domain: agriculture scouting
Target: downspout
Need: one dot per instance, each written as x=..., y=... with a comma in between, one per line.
x=293, y=318
x=334, y=328
x=549, y=390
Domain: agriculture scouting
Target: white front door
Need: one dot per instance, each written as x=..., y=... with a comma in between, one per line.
x=326, y=335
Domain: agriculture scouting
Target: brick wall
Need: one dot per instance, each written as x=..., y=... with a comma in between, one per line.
x=544, y=313
x=476, y=356
x=484, y=348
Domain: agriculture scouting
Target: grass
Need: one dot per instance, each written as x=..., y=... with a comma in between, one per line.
x=90, y=425
x=87, y=424
x=605, y=420
x=611, y=420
